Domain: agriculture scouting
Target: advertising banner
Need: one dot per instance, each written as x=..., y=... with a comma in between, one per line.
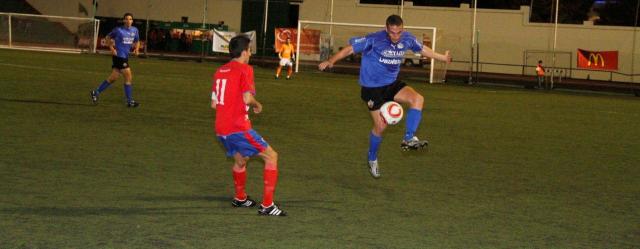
x=221, y=40
x=599, y=60
x=309, y=39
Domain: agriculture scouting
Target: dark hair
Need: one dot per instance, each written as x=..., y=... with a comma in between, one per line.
x=127, y=14
x=238, y=44
x=394, y=20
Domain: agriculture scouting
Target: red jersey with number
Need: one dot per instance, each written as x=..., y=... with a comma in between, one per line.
x=230, y=82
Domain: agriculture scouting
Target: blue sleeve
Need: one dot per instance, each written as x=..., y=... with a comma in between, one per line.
x=137, y=38
x=414, y=44
x=360, y=44
x=114, y=33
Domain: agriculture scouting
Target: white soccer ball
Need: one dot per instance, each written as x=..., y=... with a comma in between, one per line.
x=391, y=112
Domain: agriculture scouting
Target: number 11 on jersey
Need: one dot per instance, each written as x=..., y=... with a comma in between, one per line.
x=218, y=95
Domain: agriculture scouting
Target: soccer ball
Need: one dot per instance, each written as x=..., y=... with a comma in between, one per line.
x=391, y=112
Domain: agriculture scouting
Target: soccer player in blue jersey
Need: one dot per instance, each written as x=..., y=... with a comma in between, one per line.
x=382, y=54
x=120, y=41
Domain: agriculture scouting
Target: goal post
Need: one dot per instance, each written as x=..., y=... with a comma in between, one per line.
x=315, y=42
x=48, y=33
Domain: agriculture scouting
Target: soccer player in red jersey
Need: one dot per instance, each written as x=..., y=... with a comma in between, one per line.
x=232, y=95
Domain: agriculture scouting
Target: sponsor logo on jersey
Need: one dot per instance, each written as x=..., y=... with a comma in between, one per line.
x=359, y=40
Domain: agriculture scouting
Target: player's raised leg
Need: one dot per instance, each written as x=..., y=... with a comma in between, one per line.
x=375, y=139
x=128, y=88
x=115, y=73
x=408, y=95
x=241, y=199
x=270, y=157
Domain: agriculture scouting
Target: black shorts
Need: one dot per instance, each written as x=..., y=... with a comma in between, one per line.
x=376, y=96
x=119, y=63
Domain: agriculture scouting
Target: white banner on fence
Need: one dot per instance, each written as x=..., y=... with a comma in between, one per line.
x=221, y=40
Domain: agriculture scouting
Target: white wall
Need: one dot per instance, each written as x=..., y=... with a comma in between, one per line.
x=504, y=35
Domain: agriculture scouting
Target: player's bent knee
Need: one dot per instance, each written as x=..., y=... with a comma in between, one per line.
x=419, y=100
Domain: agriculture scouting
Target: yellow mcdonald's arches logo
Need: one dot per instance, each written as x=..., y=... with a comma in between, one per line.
x=595, y=58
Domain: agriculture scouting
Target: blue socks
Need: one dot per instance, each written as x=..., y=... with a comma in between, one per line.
x=374, y=143
x=105, y=84
x=413, y=120
x=127, y=92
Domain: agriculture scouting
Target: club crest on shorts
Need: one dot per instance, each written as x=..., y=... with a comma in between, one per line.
x=370, y=103
x=124, y=64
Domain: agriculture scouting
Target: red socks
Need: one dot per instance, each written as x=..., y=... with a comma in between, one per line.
x=270, y=180
x=240, y=181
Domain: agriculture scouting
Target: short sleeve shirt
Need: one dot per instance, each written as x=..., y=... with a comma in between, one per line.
x=381, y=58
x=230, y=82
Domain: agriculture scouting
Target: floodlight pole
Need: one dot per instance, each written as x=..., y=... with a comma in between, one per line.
x=530, y=9
x=146, y=36
x=473, y=40
x=330, y=26
x=555, y=39
x=264, y=31
x=204, y=15
x=202, y=38
x=635, y=29
x=401, y=7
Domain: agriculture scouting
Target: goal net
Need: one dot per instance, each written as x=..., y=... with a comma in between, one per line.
x=563, y=62
x=317, y=41
x=48, y=33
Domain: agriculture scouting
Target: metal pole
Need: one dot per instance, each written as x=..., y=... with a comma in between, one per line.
x=10, y=17
x=204, y=15
x=330, y=26
x=146, y=36
x=264, y=31
x=203, y=40
x=555, y=39
x=473, y=40
x=633, y=49
x=298, y=45
x=401, y=7
x=530, y=9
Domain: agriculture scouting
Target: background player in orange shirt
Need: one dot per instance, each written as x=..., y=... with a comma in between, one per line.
x=232, y=94
x=286, y=53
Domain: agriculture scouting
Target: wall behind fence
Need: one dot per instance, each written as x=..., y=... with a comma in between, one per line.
x=228, y=11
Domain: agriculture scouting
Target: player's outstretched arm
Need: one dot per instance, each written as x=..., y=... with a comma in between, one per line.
x=428, y=52
x=252, y=101
x=346, y=51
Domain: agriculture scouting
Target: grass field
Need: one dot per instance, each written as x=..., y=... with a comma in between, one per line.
x=506, y=168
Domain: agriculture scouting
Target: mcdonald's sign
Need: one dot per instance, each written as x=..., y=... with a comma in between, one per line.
x=599, y=60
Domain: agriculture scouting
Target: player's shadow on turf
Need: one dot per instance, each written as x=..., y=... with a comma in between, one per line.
x=184, y=198
x=103, y=211
x=35, y=101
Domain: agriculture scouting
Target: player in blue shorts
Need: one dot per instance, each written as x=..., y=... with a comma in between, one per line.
x=382, y=54
x=120, y=41
x=232, y=94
